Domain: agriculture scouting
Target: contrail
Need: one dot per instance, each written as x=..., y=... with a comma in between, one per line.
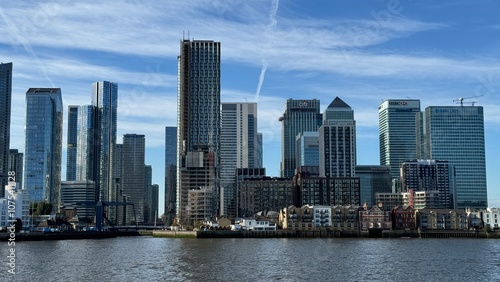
x=272, y=22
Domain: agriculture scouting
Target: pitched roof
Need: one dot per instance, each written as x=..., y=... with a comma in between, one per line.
x=338, y=103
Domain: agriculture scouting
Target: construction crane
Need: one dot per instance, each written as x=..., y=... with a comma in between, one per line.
x=461, y=100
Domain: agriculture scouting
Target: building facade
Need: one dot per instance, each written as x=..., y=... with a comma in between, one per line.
x=397, y=132
x=456, y=134
x=198, y=124
x=71, y=143
x=76, y=193
x=134, y=175
x=43, y=145
x=299, y=116
x=337, y=141
x=5, y=108
x=238, y=148
x=16, y=161
x=373, y=179
x=170, y=173
x=307, y=149
x=429, y=175
x=263, y=194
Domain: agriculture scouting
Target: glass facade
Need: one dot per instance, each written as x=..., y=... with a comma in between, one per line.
x=170, y=172
x=299, y=116
x=238, y=143
x=43, y=145
x=337, y=141
x=307, y=149
x=456, y=134
x=71, y=145
x=105, y=102
x=5, y=107
x=134, y=175
x=397, y=132
x=85, y=144
x=199, y=122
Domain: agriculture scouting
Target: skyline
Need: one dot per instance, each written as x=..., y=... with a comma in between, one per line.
x=271, y=51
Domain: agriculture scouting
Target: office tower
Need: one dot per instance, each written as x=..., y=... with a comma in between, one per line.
x=337, y=141
x=71, y=145
x=148, y=201
x=170, y=173
x=299, y=116
x=307, y=149
x=259, y=151
x=5, y=106
x=456, y=134
x=74, y=192
x=121, y=211
x=16, y=165
x=373, y=179
x=198, y=124
x=397, y=132
x=238, y=142
x=43, y=145
x=105, y=103
x=134, y=174
x=84, y=163
x=429, y=175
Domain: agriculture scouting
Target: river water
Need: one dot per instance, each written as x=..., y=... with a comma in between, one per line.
x=334, y=259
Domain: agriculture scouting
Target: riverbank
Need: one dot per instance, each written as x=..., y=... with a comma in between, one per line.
x=285, y=233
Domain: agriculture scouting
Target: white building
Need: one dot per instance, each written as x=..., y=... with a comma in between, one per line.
x=257, y=225
x=16, y=204
x=322, y=216
x=491, y=217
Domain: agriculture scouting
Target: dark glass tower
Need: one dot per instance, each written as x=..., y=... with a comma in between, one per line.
x=5, y=105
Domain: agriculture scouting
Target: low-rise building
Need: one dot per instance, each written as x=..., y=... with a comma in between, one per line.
x=491, y=217
x=403, y=218
x=297, y=218
x=257, y=225
x=441, y=219
x=374, y=218
x=345, y=218
x=16, y=204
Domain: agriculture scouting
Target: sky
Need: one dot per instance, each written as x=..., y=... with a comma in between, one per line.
x=361, y=51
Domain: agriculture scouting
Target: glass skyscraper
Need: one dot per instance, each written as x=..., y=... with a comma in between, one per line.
x=170, y=173
x=238, y=148
x=134, y=174
x=456, y=134
x=337, y=141
x=71, y=143
x=299, y=116
x=105, y=102
x=397, y=132
x=43, y=145
x=84, y=161
x=198, y=124
x=5, y=106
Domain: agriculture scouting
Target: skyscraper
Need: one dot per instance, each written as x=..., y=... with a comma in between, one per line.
x=5, y=105
x=105, y=102
x=16, y=165
x=170, y=172
x=198, y=124
x=148, y=200
x=299, y=116
x=43, y=145
x=307, y=149
x=397, y=132
x=238, y=148
x=71, y=145
x=337, y=141
x=134, y=174
x=456, y=134
x=84, y=161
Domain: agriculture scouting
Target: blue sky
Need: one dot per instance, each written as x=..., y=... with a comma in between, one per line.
x=362, y=51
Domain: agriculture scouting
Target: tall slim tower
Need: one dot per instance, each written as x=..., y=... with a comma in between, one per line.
x=198, y=125
x=134, y=174
x=397, y=132
x=43, y=145
x=84, y=160
x=105, y=102
x=238, y=148
x=337, y=141
x=5, y=105
x=456, y=134
x=170, y=173
x=299, y=116
x=71, y=145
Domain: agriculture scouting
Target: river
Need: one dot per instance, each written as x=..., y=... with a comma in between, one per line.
x=335, y=259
